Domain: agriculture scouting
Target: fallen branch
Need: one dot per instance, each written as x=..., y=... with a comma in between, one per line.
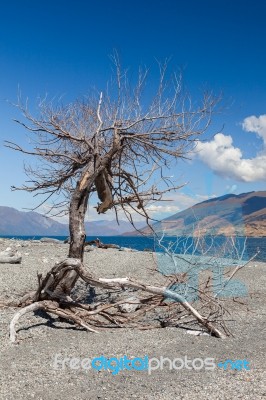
x=155, y=290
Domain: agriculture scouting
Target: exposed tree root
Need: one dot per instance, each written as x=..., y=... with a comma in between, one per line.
x=50, y=307
x=12, y=327
x=51, y=298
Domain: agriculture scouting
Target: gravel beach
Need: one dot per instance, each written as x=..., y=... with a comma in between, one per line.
x=28, y=368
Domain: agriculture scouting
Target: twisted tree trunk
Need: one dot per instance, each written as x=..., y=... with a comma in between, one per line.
x=77, y=212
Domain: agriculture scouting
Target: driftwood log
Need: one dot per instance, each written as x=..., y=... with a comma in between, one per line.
x=101, y=245
x=10, y=256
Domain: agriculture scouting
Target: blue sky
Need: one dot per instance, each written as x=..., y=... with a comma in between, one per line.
x=62, y=48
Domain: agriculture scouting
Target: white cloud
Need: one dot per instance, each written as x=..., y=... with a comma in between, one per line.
x=227, y=160
x=155, y=209
x=256, y=125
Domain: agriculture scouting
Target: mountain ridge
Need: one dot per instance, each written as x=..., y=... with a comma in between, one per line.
x=31, y=223
x=230, y=214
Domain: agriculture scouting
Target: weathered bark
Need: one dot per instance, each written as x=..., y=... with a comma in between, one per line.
x=104, y=190
x=77, y=212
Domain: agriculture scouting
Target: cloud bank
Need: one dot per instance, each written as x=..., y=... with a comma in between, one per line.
x=227, y=160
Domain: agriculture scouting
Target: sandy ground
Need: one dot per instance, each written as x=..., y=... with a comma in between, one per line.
x=27, y=368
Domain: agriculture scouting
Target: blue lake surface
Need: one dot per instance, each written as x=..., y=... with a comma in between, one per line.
x=219, y=245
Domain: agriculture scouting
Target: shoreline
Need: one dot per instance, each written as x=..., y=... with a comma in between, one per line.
x=55, y=240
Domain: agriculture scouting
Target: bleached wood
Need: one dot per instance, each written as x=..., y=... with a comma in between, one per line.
x=155, y=290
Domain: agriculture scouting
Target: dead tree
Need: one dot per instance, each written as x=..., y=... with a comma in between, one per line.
x=113, y=144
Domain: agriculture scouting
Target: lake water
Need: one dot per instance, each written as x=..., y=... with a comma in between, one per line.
x=220, y=246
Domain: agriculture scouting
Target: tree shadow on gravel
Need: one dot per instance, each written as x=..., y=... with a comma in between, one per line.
x=51, y=322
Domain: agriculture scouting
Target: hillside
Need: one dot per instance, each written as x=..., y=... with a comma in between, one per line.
x=242, y=215
x=19, y=223
x=14, y=222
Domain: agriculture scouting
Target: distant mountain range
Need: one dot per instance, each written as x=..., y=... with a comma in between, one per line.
x=241, y=215
x=19, y=223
